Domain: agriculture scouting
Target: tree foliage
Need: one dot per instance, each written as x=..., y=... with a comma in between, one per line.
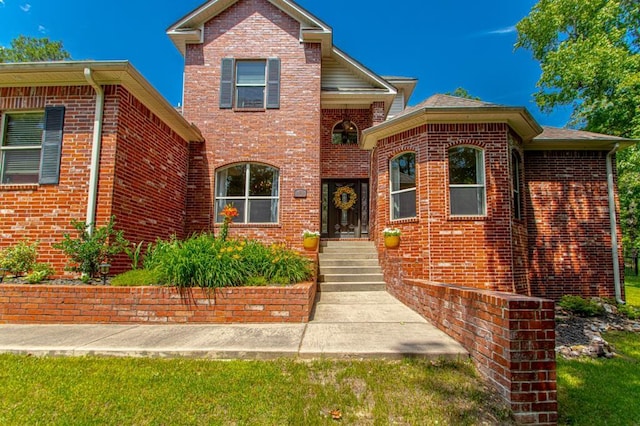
x=32, y=49
x=461, y=92
x=589, y=52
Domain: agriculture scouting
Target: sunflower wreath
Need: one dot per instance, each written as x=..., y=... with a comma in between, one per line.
x=351, y=201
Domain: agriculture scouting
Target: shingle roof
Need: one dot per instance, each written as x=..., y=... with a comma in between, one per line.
x=447, y=101
x=560, y=134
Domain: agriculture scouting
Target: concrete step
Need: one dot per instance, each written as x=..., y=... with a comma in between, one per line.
x=348, y=262
x=349, y=269
x=347, y=256
x=356, y=278
x=351, y=286
x=346, y=243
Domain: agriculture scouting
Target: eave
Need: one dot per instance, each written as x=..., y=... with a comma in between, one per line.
x=71, y=73
x=579, y=145
x=517, y=118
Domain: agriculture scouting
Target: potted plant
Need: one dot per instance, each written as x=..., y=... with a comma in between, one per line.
x=310, y=239
x=391, y=237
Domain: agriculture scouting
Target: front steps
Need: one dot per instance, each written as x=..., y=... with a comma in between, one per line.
x=349, y=266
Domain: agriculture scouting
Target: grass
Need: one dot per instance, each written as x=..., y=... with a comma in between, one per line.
x=92, y=391
x=604, y=391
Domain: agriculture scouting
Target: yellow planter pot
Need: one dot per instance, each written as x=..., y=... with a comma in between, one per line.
x=310, y=243
x=392, y=241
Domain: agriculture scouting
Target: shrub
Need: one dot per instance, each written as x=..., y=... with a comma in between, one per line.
x=138, y=277
x=134, y=252
x=631, y=312
x=20, y=258
x=40, y=272
x=88, y=250
x=581, y=306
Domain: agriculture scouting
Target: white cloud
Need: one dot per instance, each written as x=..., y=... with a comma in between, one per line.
x=25, y=7
x=506, y=30
x=42, y=29
x=2, y=2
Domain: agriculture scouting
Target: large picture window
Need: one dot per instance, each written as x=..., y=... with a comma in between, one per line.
x=467, y=181
x=252, y=188
x=402, y=170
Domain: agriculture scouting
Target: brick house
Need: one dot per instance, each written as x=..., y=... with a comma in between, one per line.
x=299, y=135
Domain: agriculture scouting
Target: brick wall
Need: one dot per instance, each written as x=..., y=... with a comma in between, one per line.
x=344, y=161
x=43, y=213
x=287, y=138
x=569, y=231
x=472, y=251
x=511, y=340
x=43, y=304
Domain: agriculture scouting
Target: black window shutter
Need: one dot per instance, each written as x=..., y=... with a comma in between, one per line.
x=51, y=145
x=273, y=83
x=226, y=83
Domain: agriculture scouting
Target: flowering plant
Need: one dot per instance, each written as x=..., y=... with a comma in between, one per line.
x=229, y=212
x=310, y=234
x=391, y=232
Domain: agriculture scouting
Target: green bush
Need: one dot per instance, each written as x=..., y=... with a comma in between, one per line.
x=39, y=272
x=20, y=258
x=87, y=250
x=631, y=312
x=205, y=261
x=138, y=277
x=581, y=306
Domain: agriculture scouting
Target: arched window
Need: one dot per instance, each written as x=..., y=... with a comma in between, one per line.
x=467, y=181
x=252, y=188
x=345, y=133
x=516, y=185
x=402, y=171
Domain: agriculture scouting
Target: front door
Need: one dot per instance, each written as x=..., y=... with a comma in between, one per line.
x=345, y=208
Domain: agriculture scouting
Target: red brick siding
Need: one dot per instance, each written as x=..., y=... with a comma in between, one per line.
x=344, y=161
x=151, y=174
x=287, y=138
x=511, y=340
x=43, y=213
x=520, y=242
x=45, y=304
x=569, y=231
x=476, y=252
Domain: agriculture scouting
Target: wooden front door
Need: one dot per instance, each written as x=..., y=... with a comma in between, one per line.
x=345, y=208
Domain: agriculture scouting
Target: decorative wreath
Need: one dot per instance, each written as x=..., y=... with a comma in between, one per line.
x=337, y=198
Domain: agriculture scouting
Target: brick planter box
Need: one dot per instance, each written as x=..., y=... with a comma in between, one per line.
x=50, y=304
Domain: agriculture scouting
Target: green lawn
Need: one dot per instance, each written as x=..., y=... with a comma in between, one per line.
x=115, y=391
x=604, y=391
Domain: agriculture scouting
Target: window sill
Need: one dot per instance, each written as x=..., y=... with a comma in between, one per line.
x=250, y=225
x=404, y=220
x=19, y=187
x=249, y=109
x=469, y=218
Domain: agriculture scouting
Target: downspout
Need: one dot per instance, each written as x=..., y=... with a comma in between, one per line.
x=614, y=227
x=95, y=151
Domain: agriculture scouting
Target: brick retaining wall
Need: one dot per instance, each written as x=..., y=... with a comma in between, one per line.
x=511, y=339
x=49, y=304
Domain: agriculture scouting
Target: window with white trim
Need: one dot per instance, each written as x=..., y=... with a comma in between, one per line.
x=516, y=185
x=250, y=83
x=21, y=146
x=252, y=188
x=467, y=195
x=402, y=171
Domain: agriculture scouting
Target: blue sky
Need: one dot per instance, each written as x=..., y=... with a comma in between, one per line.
x=445, y=44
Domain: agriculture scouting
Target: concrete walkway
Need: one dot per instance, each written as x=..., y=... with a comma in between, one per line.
x=345, y=325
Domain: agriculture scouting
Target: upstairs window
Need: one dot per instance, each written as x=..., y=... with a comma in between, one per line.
x=252, y=188
x=30, y=146
x=345, y=133
x=466, y=181
x=250, y=84
x=403, y=186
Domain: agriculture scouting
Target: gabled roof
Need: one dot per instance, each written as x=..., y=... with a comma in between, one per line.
x=407, y=84
x=71, y=73
x=558, y=138
x=452, y=109
x=189, y=28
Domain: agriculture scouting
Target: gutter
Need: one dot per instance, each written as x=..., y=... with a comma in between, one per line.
x=95, y=151
x=613, y=224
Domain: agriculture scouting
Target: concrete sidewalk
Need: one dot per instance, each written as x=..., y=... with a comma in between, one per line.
x=345, y=325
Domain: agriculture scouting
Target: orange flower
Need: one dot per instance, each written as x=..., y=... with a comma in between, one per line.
x=229, y=212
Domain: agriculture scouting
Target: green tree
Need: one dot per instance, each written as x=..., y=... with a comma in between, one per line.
x=461, y=92
x=589, y=52
x=31, y=49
